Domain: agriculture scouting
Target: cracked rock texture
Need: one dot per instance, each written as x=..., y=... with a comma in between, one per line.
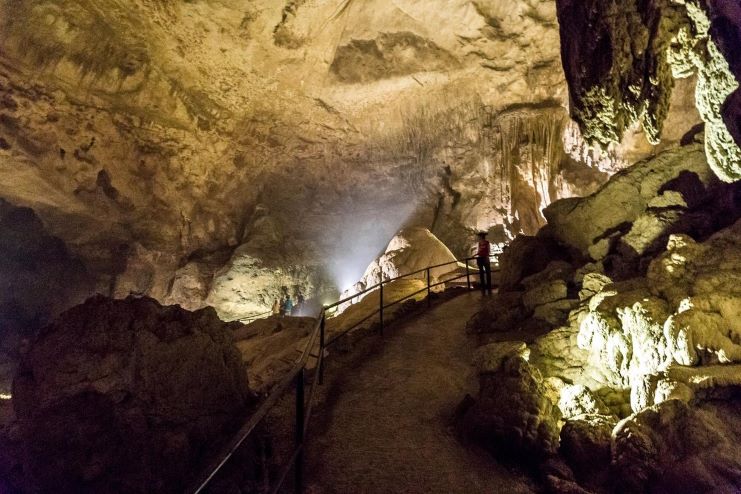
x=621, y=60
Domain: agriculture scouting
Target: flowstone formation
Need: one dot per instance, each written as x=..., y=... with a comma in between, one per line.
x=124, y=395
x=631, y=344
x=621, y=60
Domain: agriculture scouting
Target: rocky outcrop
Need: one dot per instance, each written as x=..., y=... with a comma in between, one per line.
x=150, y=137
x=126, y=395
x=676, y=447
x=621, y=59
x=627, y=222
x=655, y=343
x=411, y=249
x=39, y=278
x=513, y=414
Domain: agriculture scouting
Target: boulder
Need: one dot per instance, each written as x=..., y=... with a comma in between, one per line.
x=503, y=312
x=546, y=293
x=490, y=358
x=514, y=414
x=592, y=284
x=127, y=396
x=576, y=400
x=585, y=444
x=676, y=447
x=581, y=223
x=526, y=256
x=555, y=313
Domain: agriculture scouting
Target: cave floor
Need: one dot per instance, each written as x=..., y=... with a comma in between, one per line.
x=386, y=424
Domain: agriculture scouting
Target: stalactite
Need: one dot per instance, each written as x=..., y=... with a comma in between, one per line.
x=534, y=139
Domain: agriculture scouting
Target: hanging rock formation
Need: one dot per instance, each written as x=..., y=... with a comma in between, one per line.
x=621, y=59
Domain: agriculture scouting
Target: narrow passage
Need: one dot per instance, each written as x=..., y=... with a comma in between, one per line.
x=387, y=427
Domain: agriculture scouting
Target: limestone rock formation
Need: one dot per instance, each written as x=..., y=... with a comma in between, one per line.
x=654, y=342
x=675, y=447
x=514, y=413
x=270, y=346
x=621, y=59
x=39, y=277
x=525, y=256
x=149, y=137
x=628, y=221
x=126, y=396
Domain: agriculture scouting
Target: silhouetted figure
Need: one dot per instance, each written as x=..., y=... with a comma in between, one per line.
x=483, y=260
x=287, y=306
x=276, y=307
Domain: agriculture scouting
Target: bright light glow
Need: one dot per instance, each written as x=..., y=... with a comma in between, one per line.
x=360, y=237
x=4, y=396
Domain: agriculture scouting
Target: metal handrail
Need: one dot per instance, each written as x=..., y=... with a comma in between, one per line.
x=255, y=317
x=297, y=374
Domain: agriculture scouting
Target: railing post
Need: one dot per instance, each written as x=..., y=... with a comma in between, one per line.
x=468, y=275
x=299, y=466
x=429, y=301
x=321, y=347
x=380, y=297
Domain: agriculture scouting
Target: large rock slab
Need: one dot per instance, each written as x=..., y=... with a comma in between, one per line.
x=675, y=447
x=126, y=396
x=514, y=413
x=582, y=223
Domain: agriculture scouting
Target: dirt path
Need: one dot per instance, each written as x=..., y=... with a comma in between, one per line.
x=387, y=426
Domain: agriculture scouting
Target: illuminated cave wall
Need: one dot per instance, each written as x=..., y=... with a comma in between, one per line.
x=193, y=150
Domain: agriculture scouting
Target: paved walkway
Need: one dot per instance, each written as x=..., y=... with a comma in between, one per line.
x=387, y=425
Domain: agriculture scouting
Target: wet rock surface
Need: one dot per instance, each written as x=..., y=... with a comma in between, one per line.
x=126, y=395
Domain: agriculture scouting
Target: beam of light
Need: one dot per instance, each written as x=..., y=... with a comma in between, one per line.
x=360, y=237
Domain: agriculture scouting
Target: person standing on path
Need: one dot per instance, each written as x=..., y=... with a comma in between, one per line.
x=483, y=260
x=288, y=306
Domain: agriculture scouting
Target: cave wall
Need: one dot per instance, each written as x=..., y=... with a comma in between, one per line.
x=175, y=145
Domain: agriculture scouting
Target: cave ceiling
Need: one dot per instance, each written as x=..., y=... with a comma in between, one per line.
x=149, y=134
x=166, y=122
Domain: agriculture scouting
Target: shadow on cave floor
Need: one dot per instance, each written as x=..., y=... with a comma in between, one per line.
x=386, y=422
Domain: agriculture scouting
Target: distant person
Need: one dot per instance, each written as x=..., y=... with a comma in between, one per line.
x=276, y=307
x=287, y=306
x=299, y=304
x=483, y=260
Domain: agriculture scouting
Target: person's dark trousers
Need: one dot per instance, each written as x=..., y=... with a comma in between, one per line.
x=484, y=273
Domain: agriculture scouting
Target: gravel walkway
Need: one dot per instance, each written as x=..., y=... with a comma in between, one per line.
x=386, y=426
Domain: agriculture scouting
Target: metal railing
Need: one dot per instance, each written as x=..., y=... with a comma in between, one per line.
x=254, y=317
x=297, y=374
